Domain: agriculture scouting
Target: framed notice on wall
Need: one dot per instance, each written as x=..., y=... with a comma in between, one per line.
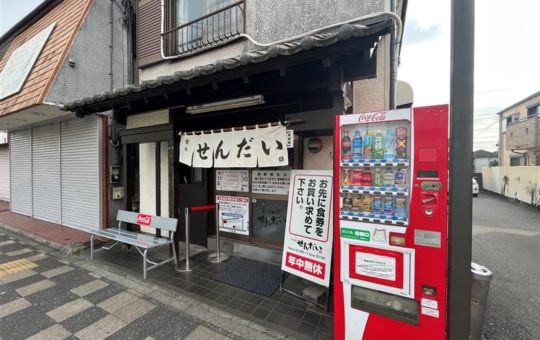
x=233, y=214
x=307, y=250
x=232, y=180
x=271, y=182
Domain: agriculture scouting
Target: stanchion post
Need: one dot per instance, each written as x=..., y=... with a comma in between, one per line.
x=186, y=267
x=218, y=256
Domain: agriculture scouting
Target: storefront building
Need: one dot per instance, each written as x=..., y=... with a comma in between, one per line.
x=53, y=170
x=242, y=66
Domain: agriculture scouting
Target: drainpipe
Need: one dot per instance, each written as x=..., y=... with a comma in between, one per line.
x=111, y=46
x=393, y=59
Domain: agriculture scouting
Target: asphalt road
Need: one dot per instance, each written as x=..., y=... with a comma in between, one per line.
x=506, y=239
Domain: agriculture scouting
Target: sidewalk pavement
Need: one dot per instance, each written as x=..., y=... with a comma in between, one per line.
x=45, y=294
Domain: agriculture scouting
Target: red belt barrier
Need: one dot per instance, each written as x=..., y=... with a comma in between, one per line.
x=203, y=207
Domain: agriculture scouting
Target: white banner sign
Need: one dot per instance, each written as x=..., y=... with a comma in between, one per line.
x=186, y=149
x=203, y=154
x=307, y=250
x=233, y=214
x=232, y=180
x=246, y=148
x=223, y=143
x=273, y=146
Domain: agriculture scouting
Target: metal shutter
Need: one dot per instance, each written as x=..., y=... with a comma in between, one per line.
x=20, y=148
x=46, y=173
x=4, y=172
x=79, y=162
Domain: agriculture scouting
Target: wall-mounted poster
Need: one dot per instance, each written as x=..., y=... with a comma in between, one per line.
x=232, y=180
x=274, y=182
x=307, y=250
x=233, y=214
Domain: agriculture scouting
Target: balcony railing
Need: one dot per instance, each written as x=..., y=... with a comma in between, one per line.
x=524, y=119
x=206, y=31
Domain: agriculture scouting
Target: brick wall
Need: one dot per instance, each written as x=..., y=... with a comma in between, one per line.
x=524, y=134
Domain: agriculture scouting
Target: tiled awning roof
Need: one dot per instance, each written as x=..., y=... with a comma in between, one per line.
x=344, y=32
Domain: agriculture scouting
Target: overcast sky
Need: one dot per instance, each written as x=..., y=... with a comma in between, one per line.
x=506, y=54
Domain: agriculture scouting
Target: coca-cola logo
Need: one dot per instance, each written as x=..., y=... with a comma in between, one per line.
x=144, y=219
x=372, y=117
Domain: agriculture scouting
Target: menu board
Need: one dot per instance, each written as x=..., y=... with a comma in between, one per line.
x=232, y=180
x=307, y=249
x=271, y=182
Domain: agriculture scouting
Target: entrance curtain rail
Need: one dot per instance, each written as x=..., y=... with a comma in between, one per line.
x=239, y=128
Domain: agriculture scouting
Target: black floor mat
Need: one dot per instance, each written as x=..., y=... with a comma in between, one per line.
x=255, y=276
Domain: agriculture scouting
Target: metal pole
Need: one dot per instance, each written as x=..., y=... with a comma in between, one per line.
x=187, y=266
x=217, y=232
x=218, y=256
x=461, y=141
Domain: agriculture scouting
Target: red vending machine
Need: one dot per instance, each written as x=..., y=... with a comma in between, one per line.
x=390, y=224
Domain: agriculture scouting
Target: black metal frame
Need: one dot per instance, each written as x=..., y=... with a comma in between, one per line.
x=201, y=32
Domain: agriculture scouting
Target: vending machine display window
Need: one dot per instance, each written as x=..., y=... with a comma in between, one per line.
x=375, y=172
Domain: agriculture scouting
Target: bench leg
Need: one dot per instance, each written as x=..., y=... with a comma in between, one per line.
x=92, y=247
x=145, y=263
x=174, y=253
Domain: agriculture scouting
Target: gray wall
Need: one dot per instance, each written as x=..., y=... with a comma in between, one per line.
x=270, y=20
x=91, y=53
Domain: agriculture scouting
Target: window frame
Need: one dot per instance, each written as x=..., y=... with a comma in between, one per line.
x=208, y=37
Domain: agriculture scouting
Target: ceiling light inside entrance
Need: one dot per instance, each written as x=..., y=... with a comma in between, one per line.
x=226, y=104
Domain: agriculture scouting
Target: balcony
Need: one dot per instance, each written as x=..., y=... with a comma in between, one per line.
x=524, y=134
x=204, y=32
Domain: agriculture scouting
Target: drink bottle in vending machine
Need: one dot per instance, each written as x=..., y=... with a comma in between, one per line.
x=390, y=225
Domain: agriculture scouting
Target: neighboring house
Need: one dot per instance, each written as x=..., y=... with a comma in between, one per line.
x=519, y=133
x=61, y=50
x=482, y=158
x=221, y=65
x=4, y=166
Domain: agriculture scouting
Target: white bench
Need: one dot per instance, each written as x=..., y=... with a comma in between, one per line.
x=140, y=241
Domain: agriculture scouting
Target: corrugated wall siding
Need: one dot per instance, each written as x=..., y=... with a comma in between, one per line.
x=20, y=148
x=46, y=173
x=513, y=180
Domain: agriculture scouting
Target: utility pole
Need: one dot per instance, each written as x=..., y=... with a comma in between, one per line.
x=461, y=167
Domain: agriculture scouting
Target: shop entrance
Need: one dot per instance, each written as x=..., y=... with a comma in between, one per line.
x=193, y=190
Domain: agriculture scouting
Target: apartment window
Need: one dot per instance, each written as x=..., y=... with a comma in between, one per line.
x=533, y=110
x=196, y=24
x=509, y=120
x=515, y=161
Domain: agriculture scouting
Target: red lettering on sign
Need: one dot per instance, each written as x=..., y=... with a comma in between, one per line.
x=306, y=265
x=372, y=117
x=144, y=219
